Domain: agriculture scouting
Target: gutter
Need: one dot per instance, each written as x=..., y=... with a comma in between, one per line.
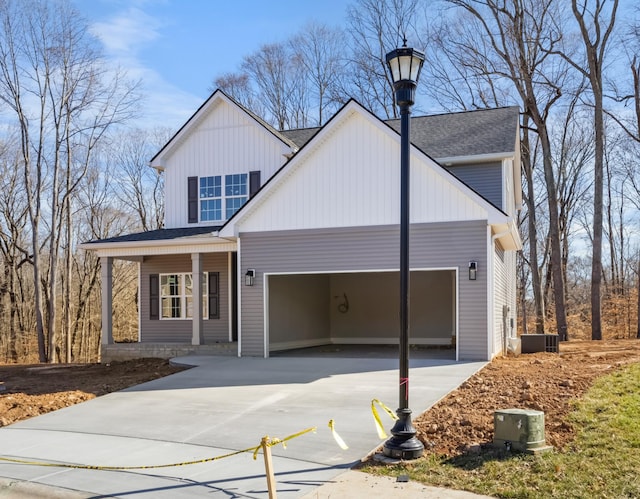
x=477, y=158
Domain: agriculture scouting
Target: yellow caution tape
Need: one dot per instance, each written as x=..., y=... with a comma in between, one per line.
x=336, y=437
x=269, y=442
x=376, y=417
x=255, y=451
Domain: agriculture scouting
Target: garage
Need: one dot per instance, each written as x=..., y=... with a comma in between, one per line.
x=358, y=308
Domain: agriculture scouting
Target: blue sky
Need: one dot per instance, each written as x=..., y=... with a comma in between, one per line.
x=177, y=47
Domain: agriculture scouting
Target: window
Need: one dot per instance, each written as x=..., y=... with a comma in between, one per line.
x=230, y=191
x=176, y=296
x=210, y=198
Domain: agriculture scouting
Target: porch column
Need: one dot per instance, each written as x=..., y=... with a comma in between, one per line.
x=106, y=268
x=196, y=272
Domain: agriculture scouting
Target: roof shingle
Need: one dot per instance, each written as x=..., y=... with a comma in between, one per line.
x=467, y=133
x=159, y=235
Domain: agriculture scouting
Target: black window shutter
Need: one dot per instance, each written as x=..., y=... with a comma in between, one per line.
x=214, y=295
x=154, y=297
x=254, y=182
x=192, y=194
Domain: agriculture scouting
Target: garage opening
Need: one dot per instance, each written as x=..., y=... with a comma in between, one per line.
x=359, y=308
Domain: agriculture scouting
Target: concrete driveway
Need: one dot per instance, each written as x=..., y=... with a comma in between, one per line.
x=222, y=405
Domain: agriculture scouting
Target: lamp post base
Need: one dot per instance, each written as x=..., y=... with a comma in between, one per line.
x=404, y=443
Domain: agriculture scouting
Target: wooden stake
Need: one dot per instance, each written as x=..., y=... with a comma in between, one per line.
x=268, y=466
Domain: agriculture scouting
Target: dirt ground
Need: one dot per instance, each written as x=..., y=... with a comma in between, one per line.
x=461, y=421
x=31, y=390
x=549, y=382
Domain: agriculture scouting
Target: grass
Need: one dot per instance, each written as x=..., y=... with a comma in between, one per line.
x=603, y=461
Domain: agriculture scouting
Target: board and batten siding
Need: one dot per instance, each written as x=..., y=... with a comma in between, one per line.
x=217, y=146
x=486, y=179
x=437, y=245
x=350, y=177
x=180, y=330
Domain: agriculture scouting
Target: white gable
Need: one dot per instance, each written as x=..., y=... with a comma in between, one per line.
x=349, y=175
x=222, y=138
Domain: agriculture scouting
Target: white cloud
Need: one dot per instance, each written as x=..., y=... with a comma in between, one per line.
x=124, y=35
x=126, y=32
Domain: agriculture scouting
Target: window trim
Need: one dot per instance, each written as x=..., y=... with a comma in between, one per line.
x=224, y=198
x=182, y=296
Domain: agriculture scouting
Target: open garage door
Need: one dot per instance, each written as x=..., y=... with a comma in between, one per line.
x=361, y=308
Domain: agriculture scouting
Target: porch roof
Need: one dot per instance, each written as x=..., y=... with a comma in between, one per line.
x=158, y=235
x=162, y=241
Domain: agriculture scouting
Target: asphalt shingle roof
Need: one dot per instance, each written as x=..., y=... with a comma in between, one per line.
x=300, y=136
x=468, y=133
x=159, y=235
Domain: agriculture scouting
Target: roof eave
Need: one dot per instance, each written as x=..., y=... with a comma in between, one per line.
x=181, y=241
x=475, y=158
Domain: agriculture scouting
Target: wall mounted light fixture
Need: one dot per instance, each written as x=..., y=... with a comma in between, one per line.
x=250, y=277
x=473, y=270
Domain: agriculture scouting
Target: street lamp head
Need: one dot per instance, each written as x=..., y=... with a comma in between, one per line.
x=405, y=64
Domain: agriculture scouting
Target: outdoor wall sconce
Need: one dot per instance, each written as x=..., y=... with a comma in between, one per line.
x=473, y=270
x=250, y=277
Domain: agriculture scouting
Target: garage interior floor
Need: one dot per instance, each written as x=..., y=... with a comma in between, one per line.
x=369, y=352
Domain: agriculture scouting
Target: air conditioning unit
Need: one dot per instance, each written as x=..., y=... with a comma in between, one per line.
x=519, y=429
x=533, y=343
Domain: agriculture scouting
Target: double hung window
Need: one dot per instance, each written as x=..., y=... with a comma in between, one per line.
x=221, y=196
x=176, y=296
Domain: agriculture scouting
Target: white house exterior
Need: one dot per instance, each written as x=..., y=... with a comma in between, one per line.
x=314, y=215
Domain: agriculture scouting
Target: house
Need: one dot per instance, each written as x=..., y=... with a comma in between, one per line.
x=296, y=234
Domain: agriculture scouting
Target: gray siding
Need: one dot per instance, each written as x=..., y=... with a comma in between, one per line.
x=440, y=245
x=180, y=331
x=485, y=179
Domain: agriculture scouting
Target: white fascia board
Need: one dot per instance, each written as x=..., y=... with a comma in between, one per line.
x=174, y=246
x=508, y=235
x=476, y=158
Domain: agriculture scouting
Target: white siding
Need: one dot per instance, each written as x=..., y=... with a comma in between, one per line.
x=500, y=301
x=226, y=140
x=352, y=178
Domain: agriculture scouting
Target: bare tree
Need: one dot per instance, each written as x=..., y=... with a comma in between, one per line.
x=513, y=40
x=238, y=87
x=320, y=52
x=136, y=184
x=63, y=100
x=269, y=69
x=13, y=250
x=376, y=28
x=596, y=27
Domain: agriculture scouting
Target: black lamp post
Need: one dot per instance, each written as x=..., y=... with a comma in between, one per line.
x=405, y=64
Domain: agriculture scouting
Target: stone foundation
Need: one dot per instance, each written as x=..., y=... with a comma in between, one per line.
x=128, y=351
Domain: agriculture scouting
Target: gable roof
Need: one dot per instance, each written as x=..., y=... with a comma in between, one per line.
x=496, y=216
x=201, y=112
x=468, y=133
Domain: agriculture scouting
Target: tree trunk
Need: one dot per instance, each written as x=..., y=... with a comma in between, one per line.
x=536, y=282
x=638, y=313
